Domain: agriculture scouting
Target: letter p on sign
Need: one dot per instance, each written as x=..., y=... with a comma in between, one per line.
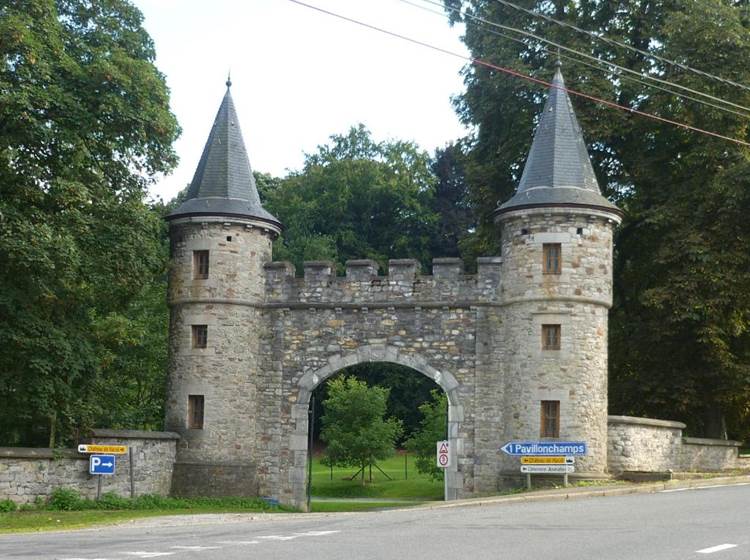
x=443, y=454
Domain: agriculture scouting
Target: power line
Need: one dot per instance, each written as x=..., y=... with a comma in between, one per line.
x=575, y=60
x=512, y=72
x=623, y=45
x=588, y=56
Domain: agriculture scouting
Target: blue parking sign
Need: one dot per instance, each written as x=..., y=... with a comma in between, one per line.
x=102, y=464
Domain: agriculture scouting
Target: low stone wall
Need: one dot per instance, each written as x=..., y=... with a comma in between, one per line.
x=26, y=473
x=699, y=454
x=642, y=444
x=649, y=445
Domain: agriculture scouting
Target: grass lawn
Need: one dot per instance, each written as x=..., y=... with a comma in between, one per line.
x=403, y=486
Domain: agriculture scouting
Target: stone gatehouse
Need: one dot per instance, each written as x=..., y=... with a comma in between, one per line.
x=520, y=347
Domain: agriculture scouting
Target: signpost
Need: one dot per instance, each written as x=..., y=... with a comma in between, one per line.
x=547, y=469
x=102, y=464
x=545, y=448
x=546, y=457
x=443, y=454
x=111, y=449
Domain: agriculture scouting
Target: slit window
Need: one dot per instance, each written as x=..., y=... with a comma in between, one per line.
x=550, y=426
x=200, y=264
x=551, y=263
x=200, y=336
x=550, y=337
x=195, y=412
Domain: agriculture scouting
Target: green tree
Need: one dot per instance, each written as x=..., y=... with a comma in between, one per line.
x=354, y=427
x=679, y=333
x=432, y=428
x=84, y=127
x=356, y=198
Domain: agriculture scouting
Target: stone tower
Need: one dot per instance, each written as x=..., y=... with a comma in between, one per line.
x=557, y=289
x=220, y=238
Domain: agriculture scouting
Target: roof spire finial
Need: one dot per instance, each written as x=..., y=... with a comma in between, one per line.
x=229, y=79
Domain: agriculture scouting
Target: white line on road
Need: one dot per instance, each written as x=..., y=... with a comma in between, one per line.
x=674, y=490
x=705, y=487
x=316, y=533
x=180, y=547
x=716, y=548
x=277, y=538
x=237, y=542
x=141, y=554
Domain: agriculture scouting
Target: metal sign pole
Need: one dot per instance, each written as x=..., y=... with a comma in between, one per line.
x=132, y=480
x=98, y=487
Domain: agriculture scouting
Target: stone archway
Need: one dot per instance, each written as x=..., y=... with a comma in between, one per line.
x=312, y=378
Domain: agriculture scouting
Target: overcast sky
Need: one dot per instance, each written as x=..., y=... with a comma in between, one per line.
x=299, y=76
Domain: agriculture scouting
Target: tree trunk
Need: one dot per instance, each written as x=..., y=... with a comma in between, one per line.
x=52, y=430
x=714, y=423
x=362, y=477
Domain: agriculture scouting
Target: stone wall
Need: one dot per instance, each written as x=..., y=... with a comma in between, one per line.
x=27, y=474
x=648, y=445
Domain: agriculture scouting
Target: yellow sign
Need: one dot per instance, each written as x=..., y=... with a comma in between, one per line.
x=113, y=449
x=545, y=461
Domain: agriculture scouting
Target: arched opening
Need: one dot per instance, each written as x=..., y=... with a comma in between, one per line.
x=338, y=364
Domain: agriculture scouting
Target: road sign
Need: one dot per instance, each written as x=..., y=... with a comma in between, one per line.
x=545, y=448
x=537, y=460
x=547, y=469
x=443, y=454
x=102, y=464
x=103, y=448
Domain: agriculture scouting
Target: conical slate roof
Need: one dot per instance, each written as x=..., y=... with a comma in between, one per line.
x=558, y=171
x=223, y=184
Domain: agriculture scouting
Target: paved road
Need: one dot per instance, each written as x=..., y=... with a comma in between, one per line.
x=699, y=523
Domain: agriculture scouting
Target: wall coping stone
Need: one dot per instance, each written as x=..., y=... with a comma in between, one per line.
x=40, y=453
x=645, y=422
x=132, y=434
x=710, y=441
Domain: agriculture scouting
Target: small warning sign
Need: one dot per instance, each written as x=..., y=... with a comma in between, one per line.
x=443, y=454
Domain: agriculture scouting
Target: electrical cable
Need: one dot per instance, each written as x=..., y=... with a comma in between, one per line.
x=623, y=45
x=514, y=73
x=588, y=56
x=588, y=64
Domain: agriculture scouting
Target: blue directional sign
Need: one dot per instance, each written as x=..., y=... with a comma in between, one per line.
x=545, y=448
x=102, y=464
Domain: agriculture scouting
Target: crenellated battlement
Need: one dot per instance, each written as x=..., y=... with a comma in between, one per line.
x=402, y=285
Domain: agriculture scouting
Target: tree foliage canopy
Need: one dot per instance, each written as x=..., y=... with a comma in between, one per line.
x=679, y=338
x=354, y=427
x=433, y=427
x=84, y=126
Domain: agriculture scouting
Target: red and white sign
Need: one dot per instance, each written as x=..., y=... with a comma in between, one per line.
x=443, y=454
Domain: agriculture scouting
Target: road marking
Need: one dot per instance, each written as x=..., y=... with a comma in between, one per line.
x=316, y=533
x=277, y=538
x=716, y=548
x=237, y=542
x=705, y=487
x=142, y=554
x=180, y=547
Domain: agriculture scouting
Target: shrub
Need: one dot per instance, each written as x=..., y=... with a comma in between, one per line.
x=6, y=506
x=65, y=499
x=110, y=500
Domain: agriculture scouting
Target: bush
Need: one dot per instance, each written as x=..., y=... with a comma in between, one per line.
x=65, y=499
x=110, y=500
x=6, y=506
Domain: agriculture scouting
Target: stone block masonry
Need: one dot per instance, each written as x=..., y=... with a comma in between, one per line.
x=27, y=474
x=648, y=445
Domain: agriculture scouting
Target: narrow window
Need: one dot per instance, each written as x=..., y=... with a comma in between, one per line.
x=551, y=264
x=200, y=336
x=195, y=412
x=550, y=427
x=200, y=264
x=550, y=337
